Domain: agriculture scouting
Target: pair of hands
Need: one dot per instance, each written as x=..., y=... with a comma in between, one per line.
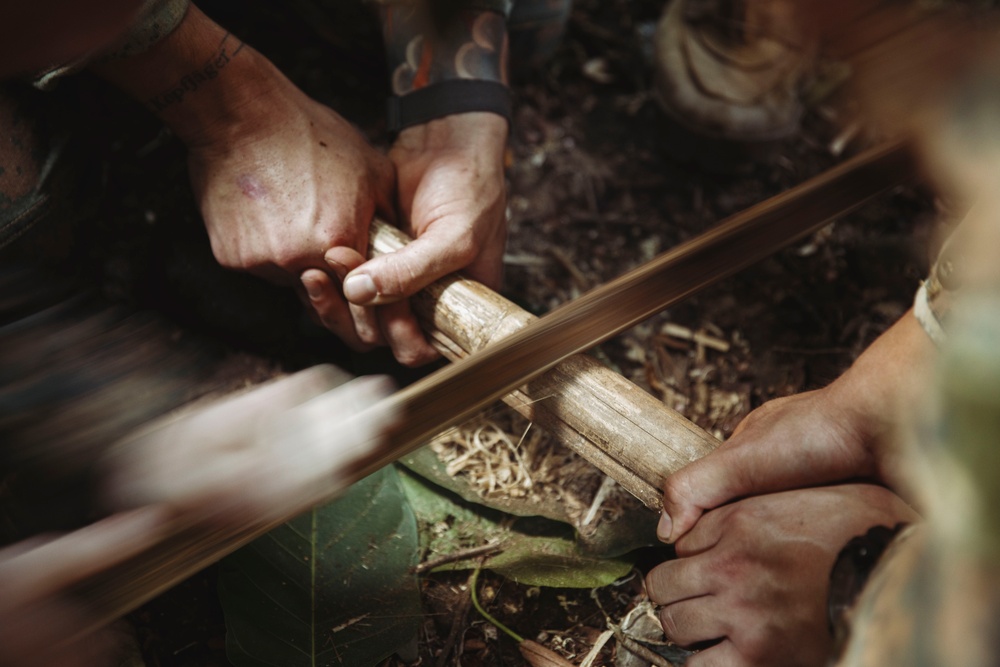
x=288, y=188
x=290, y=198
x=757, y=524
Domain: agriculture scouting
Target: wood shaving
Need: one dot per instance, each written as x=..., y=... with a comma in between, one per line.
x=500, y=454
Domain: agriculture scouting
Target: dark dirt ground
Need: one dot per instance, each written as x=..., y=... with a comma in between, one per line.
x=597, y=186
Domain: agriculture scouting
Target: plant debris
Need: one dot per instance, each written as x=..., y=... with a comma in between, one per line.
x=501, y=455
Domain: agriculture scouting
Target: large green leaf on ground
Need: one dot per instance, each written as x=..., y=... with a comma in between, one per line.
x=331, y=587
x=635, y=528
x=533, y=550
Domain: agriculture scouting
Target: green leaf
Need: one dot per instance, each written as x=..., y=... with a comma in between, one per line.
x=331, y=587
x=635, y=528
x=558, y=562
x=534, y=550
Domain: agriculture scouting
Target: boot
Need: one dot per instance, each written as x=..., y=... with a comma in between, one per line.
x=732, y=69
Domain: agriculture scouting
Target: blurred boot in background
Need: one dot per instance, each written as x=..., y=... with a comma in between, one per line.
x=730, y=71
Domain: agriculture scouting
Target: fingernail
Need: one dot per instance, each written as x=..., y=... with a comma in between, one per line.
x=338, y=267
x=665, y=527
x=312, y=288
x=360, y=289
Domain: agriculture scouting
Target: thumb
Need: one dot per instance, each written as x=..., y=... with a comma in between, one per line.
x=342, y=260
x=788, y=443
x=699, y=487
x=397, y=275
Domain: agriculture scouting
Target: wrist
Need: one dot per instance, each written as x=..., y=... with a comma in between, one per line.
x=483, y=135
x=449, y=98
x=886, y=378
x=201, y=80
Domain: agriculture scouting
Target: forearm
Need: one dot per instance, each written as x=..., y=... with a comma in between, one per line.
x=885, y=385
x=200, y=79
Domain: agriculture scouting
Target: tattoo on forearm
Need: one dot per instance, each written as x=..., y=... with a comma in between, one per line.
x=189, y=83
x=471, y=45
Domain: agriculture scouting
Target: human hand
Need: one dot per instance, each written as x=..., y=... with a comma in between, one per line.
x=829, y=435
x=279, y=178
x=451, y=196
x=263, y=454
x=277, y=193
x=753, y=576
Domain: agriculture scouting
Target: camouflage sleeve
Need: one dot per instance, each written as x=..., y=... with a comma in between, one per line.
x=155, y=20
x=879, y=628
x=444, y=59
x=934, y=299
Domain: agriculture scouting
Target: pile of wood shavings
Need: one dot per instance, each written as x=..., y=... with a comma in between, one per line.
x=500, y=455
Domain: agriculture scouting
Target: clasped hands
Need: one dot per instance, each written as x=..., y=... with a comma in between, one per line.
x=289, y=193
x=757, y=524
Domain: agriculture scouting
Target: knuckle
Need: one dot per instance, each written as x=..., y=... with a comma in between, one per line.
x=654, y=584
x=286, y=257
x=739, y=519
x=678, y=491
x=671, y=493
x=368, y=336
x=465, y=250
x=412, y=358
x=408, y=359
x=395, y=276
x=337, y=234
x=669, y=623
x=729, y=570
x=757, y=645
x=224, y=257
x=762, y=412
